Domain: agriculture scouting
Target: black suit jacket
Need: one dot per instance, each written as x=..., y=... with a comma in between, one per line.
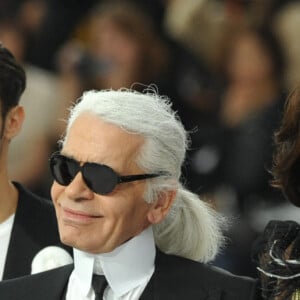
x=175, y=278
x=34, y=228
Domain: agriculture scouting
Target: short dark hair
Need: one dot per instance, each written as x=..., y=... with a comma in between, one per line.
x=12, y=80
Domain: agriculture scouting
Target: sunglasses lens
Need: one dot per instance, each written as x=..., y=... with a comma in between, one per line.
x=100, y=178
x=63, y=169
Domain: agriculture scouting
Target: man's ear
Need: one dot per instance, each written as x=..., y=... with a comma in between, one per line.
x=160, y=208
x=13, y=122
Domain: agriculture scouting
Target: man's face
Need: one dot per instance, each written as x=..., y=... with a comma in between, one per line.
x=99, y=223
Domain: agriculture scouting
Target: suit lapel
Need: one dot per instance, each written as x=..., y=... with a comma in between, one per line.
x=34, y=228
x=59, y=283
x=167, y=283
x=149, y=291
x=51, y=284
x=18, y=260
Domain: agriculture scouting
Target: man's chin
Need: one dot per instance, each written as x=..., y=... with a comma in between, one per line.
x=69, y=234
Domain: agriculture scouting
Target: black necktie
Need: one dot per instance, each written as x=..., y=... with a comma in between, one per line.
x=99, y=284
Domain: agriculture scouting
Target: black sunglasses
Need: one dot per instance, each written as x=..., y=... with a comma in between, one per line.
x=101, y=179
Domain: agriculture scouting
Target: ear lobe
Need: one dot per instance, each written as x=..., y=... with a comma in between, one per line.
x=13, y=122
x=161, y=207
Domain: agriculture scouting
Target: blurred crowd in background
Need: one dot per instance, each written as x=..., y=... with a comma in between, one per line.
x=227, y=66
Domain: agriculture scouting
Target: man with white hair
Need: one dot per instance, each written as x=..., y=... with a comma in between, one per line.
x=137, y=233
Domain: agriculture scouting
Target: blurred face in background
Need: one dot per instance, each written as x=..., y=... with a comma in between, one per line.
x=13, y=40
x=249, y=60
x=118, y=50
x=112, y=42
x=121, y=48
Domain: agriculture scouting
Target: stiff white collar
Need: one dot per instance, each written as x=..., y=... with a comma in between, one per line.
x=125, y=267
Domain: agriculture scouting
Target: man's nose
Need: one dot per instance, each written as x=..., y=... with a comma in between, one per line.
x=78, y=190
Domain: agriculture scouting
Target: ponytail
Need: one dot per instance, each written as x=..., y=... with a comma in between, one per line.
x=192, y=229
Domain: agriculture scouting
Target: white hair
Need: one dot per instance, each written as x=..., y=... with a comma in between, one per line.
x=191, y=229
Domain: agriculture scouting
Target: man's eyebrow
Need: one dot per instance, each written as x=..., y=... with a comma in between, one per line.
x=71, y=156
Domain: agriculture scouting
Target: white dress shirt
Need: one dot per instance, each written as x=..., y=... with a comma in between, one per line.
x=5, y=232
x=127, y=269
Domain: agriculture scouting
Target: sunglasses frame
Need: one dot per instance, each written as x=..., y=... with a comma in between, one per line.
x=82, y=168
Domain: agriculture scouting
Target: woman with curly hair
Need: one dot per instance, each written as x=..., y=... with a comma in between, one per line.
x=277, y=251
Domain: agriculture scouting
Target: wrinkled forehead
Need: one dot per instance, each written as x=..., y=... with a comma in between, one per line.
x=91, y=139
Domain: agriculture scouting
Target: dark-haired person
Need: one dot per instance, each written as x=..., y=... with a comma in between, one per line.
x=277, y=250
x=251, y=103
x=27, y=222
x=135, y=229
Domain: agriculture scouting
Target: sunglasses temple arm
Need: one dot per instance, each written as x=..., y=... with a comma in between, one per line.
x=137, y=177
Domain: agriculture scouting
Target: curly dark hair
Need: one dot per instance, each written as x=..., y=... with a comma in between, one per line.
x=276, y=252
x=286, y=159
